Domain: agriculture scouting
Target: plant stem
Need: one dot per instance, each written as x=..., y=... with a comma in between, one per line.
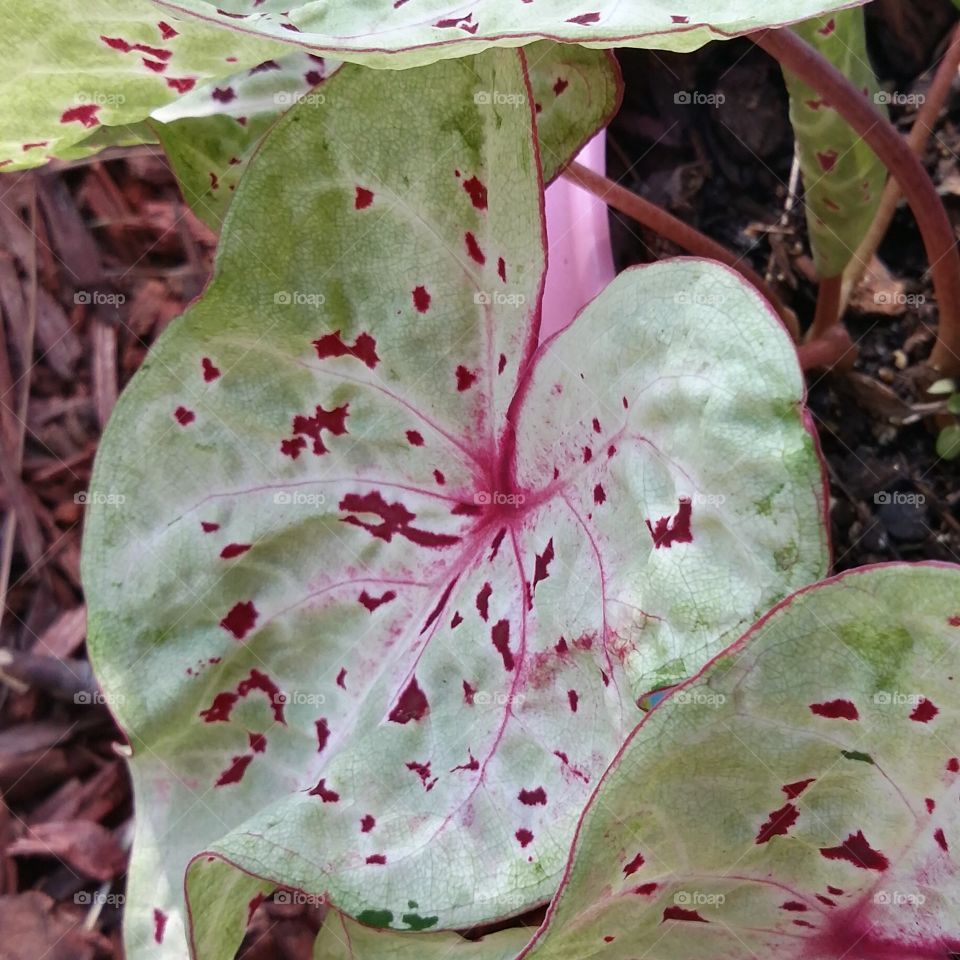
x=674, y=230
x=919, y=134
x=833, y=350
x=816, y=71
x=827, y=314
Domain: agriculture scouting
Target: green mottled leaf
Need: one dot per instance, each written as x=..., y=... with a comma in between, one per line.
x=948, y=443
x=798, y=800
x=72, y=68
x=576, y=91
x=373, y=585
x=842, y=176
x=343, y=939
x=388, y=33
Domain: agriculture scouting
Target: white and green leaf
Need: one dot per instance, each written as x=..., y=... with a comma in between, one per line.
x=373, y=584
x=799, y=799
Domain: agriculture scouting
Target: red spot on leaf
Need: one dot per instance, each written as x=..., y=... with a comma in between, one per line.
x=333, y=421
x=159, y=925
x=826, y=901
x=465, y=378
x=415, y=438
x=634, y=865
x=541, y=567
x=257, y=741
x=584, y=18
x=166, y=31
x=118, y=43
x=322, y=791
x=954, y=621
x=828, y=28
x=234, y=773
x=341, y=678
x=209, y=527
x=924, y=711
x=155, y=65
x=930, y=804
x=827, y=159
x=477, y=192
x=473, y=248
x=363, y=348
x=560, y=86
x=502, y=269
x=210, y=372
x=363, y=198
x=439, y=477
x=456, y=620
x=183, y=416
x=793, y=790
x=412, y=704
x=678, y=913
x=483, y=601
x=223, y=94
x=835, y=710
x=377, y=858
x=856, y=850
x=371, y=603
x=468, y=692
x=676, y=529
x=500, y=634
x=395, y=520
x=533, y=798
x=794, y=906
x=472, y=763
x=181, y=84
x=645, y=889
x=599, y=496
x=573, y=699
x=421, y=299
x=953, y=765
x=422, y=770
x=367, y=823
x=778, y=824
x=234, y=550
x=323, y=733
x=495, y=545
x=524, y=837
x=941, y=839
x=241, y=619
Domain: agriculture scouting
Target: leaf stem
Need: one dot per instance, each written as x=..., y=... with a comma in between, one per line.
x=816, y=71
x=674, y=230
x=827, y=314
x=919, y=134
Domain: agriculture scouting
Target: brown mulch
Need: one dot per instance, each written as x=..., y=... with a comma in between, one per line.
x=97, y=258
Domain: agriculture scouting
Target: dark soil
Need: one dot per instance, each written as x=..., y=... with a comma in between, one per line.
x=725, y=168
x=109, y=254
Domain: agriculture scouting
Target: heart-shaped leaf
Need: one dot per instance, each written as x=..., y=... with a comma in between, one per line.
x=70, y=69
x=576, y=92
x=372, y=590
x=843, y=178
x=391, y=33
x=799, y=799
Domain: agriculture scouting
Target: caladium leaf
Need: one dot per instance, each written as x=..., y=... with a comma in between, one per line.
x=392, y=33
x=71, y=68
x=375, y=590
x=843, y=178
x=341, y=938
x=798, y=799
x=576, y=92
